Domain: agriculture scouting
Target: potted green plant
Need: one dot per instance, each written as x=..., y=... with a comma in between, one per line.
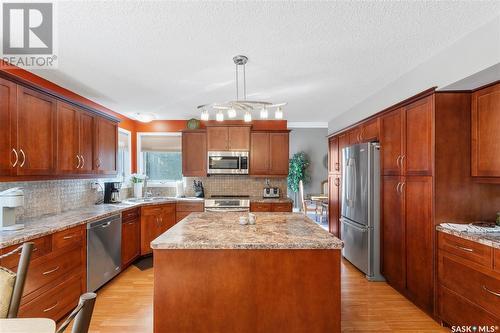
x=138, y=182
x=298, y=171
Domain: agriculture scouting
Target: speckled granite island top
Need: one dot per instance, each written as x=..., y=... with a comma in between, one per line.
x=489, y=239
x=223, y=231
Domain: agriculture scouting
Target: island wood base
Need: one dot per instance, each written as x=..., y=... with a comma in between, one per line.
x=246, y=291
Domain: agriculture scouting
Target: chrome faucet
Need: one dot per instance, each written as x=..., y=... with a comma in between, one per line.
x=147, y=194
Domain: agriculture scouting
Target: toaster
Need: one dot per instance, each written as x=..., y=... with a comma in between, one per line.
x=271, y=192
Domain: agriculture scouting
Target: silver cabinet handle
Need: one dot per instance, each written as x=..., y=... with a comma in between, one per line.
x=397, y=187
x=397, y=161
x=98, y=164
x=78, y=159
x=402, y=186
x=24, y=158
x=466, y=249
x=402, y=160
x=68, y=237
x=51, y=307
x=491, y=292
x=17, y=157
x=83, y=161
x=105, y=225
x=50, y=271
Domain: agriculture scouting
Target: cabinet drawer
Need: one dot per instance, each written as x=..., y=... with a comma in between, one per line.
x=477, y=287
x=281, y=207
x=41, y=247
x=56, y=302
x=189, y=207
x=496, y=260
x=72, y=236
x=260, y=207
x=130, y=214
x=456, y=310
x=473, y=251
x=168, y=209
x=52, y=267
x=151, y=210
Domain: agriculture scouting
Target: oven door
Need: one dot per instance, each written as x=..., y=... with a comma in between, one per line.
x=225, y=163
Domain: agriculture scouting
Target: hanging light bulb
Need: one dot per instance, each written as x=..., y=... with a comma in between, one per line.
x=219, y=116
x=231, y=113
x=204, y=115
x=248, y=117
x=263, y=113
x=279, y=113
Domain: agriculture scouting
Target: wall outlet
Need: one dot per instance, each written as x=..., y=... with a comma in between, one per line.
x=96, y=186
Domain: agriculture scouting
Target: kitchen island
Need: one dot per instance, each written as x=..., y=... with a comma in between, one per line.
x=212, y=274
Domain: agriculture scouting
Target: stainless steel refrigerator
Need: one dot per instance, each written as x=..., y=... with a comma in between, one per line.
x=360, y=212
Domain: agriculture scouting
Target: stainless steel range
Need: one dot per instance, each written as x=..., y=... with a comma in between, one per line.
x=222, y=203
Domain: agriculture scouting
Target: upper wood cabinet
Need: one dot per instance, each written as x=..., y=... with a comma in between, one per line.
x=228, y=138
x=36, y=133
x=370, y=130
x=269, y=153
x=485, y=123
x=9, y=157
x=334, y=204
x=354, y=136
x=333, y=155
x=106, y=146
x=392, y=142
x=194, y=153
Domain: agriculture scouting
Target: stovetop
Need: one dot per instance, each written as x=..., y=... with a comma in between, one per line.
x=221, y=196
x=228, y=201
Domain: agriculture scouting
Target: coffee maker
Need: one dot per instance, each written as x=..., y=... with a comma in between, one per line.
x=112, y=192
x=9, y=200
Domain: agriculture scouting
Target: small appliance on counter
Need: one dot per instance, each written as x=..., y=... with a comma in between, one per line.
x=271, y=193
x=9, y=200
x=112, y=192
x=179, y=189
x=198, y=189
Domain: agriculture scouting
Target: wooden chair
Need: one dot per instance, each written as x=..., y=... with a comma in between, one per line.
x=324, y=187
x=307, y=205
x=19, y=278
x=82, y=315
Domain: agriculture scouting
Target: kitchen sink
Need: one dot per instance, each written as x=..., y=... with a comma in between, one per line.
x=154, y=199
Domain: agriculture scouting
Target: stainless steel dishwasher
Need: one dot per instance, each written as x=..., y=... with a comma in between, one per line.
x=104, y=242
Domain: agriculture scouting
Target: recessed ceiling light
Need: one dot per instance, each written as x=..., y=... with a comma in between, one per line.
x=144, y=117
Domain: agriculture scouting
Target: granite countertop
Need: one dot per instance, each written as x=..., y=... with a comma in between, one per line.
x=490, y=239
x=223, y=231
x=48, y=224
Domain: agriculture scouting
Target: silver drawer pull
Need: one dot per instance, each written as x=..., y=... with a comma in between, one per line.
x=464, y=248
x=68, y=237
x=50, y=308
x=51, y=271
x=491, y=292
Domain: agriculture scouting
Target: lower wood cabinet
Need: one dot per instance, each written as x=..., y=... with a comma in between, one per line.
x=468, y=285
x=131, y=236
x=56, y=275
x=271, y=207
x=334, y=204
x=155, y=220
x=184, y=208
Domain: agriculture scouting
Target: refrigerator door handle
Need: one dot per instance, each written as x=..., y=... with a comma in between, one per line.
x=354, y=226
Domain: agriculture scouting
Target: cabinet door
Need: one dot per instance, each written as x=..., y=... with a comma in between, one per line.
x=167, y=217
x=9, y=155
x=485, y=157
x=36, y=130
x=334, y=204
x=86, y=134
x=260, y=207
x=333, y=156
x=239, y=138
x=68, y=157
x=370, y=131
x=259, y=153
x=217, y=138
x=131, y=242
x=194, y=154
x=150, y=226
x=393, y=232
x=419, y=230
x=282, y=207
x=418, y=155
x=106, y=146
x=278, y=154
x=354, y=136
x=392, y=142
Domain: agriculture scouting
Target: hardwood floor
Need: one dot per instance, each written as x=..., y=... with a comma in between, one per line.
x=125, y=305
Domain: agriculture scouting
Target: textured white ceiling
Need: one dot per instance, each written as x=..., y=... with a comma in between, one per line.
x=320, y=57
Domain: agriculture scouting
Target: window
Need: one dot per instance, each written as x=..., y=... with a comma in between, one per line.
x=160, y=157
x=124, y=165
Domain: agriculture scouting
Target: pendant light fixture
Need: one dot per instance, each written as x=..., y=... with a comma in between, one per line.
x=242, y=105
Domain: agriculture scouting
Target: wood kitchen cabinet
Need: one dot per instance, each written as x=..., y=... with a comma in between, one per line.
x=275, y=207
x=333, y=155
x=392, y=138
x=184, y=208
x=131, y=236
x=155, y=220
x=370, y=130
x=334, y=204
x=269, y=154
x=194, y=153
x=228, y=138
x=485, y=126
x=106, y=147
x=36, y=133
x=354, y=136
x=9, y=157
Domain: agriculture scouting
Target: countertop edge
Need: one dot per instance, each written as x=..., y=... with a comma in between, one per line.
x=478, y=238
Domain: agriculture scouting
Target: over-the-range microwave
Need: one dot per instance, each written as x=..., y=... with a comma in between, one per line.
x=228, y=162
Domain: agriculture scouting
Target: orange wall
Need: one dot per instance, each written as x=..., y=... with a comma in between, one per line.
x=127, y=123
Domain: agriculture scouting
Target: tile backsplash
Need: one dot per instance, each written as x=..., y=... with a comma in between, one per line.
x=56, y=196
